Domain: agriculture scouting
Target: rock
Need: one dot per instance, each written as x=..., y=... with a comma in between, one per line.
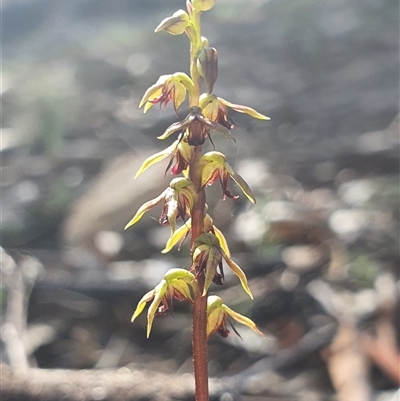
x=305, y=258
x=113, y=199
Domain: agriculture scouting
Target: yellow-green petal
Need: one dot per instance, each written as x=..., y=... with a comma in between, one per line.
x=241, y=183
x=239, y=273
x=180, y=125
x=176, y=24
x=159, y=294
x=177, y=236
x=183, y=288
x=215, y=314
x=154, y=90
x=214, y=320
x=142, y=303
x=143, y=209
x=178, y=273
x=214, y=257
x=242, y=319
x=244, y=109
x=203, y=5
x=179, y=95
x=222, y=241
x=157, y=157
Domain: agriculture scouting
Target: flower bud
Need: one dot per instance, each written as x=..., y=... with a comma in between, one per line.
x=204, y=42
x=176, y=24
x=207, y=64
x=203, y=5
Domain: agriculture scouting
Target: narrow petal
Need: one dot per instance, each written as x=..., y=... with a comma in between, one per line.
x=142, y=303
x=239, y=273
x=157, y=157
x=143, y=209
x=177, y=236
x=222, y=241
x=180, y=125
x=244, y=109
x=179, y=94
x=222, y=130
x=184, y=289
x=149, y=105
x=242, y=319
x=209, y=273
x=159, y=294
x=241, y=183
x=153, y=92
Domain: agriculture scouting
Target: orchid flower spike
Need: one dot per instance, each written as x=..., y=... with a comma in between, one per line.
x=207, y=258
x=213, y=165
x=178, y=201
x=168, y=88
x=218, y=314
x=177, y=284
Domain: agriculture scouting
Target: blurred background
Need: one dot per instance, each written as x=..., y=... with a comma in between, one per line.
x=320, y=247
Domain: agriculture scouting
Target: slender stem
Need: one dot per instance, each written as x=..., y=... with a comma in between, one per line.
x=194, y=48
x=199, y=342
x=199, y=324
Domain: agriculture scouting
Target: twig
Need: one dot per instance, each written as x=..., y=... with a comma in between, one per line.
x=19, y=280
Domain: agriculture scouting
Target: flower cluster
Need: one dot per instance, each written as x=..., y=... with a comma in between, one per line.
x=184, y=198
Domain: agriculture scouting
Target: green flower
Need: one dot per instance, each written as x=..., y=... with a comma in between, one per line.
x=216, y=109
x=168, y=88
x=175, y=25
x=207, y=258
x=177, y=284
x=178, y=201
x=213, y=165
x=218, y=314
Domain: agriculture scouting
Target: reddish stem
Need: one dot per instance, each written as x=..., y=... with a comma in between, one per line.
x=199, y=325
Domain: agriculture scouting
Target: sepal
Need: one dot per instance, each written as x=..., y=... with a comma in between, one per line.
x=218, y=314
x=176, y=24
x=203, y=5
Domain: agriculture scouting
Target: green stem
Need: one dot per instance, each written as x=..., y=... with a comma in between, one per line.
x=194, y=48
x=199, y=323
